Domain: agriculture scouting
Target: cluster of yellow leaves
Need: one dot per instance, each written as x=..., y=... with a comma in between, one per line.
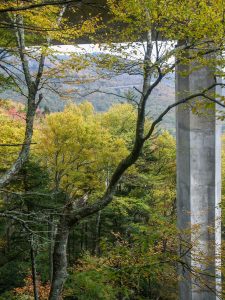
x=199, y=23
x=44, y=17
x=45, y=23
x=12, y=132
x=68, y=32
x=120, y=121
x=78, y=150
x=175, y=19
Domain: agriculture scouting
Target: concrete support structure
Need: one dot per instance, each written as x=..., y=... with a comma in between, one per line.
x=198, y=191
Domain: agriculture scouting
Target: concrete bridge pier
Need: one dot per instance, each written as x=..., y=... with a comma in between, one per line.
x=198, y=191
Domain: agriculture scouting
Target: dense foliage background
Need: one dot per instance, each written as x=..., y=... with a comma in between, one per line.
x=128, y=250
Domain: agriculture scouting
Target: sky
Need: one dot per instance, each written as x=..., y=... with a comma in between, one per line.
x=131, y=51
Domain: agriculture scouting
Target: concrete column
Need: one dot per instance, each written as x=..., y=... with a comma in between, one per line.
x=198, y=190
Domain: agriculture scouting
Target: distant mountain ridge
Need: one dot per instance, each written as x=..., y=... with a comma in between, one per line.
x=103, y=93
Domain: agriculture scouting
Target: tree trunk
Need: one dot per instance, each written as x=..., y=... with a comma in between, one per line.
x=34, y=271
x=85, y=236
x=51, y=236
x=97, y=237
x=60, y=259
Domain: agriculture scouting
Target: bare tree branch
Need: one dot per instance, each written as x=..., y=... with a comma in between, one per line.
x=182, y=101
x=37, y=5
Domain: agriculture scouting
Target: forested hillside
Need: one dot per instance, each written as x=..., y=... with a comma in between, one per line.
x=102, y=91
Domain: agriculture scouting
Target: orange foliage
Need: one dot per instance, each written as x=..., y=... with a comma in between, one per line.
x=43, y=289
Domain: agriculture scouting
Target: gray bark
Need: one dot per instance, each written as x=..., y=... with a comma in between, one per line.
x=97, y=232
x=32, y=87
x=33, y=268
x=51, y=233
x=60, y=259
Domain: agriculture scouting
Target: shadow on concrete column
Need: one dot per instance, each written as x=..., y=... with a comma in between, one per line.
x=198, y=190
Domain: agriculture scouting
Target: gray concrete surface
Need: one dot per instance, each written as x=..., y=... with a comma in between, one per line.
x=198, y=191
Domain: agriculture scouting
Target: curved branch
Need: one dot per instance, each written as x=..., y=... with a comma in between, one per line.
x=85, y=211
x=182, y=101
x=37, y=5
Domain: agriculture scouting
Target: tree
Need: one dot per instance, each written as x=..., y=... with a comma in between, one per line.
x=25, y=67
x=138, y=243
x=32, y=83
x=129, y=205
x=17, y=66
x=78, y=155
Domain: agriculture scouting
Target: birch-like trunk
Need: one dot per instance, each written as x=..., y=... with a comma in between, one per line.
x=59, y=259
